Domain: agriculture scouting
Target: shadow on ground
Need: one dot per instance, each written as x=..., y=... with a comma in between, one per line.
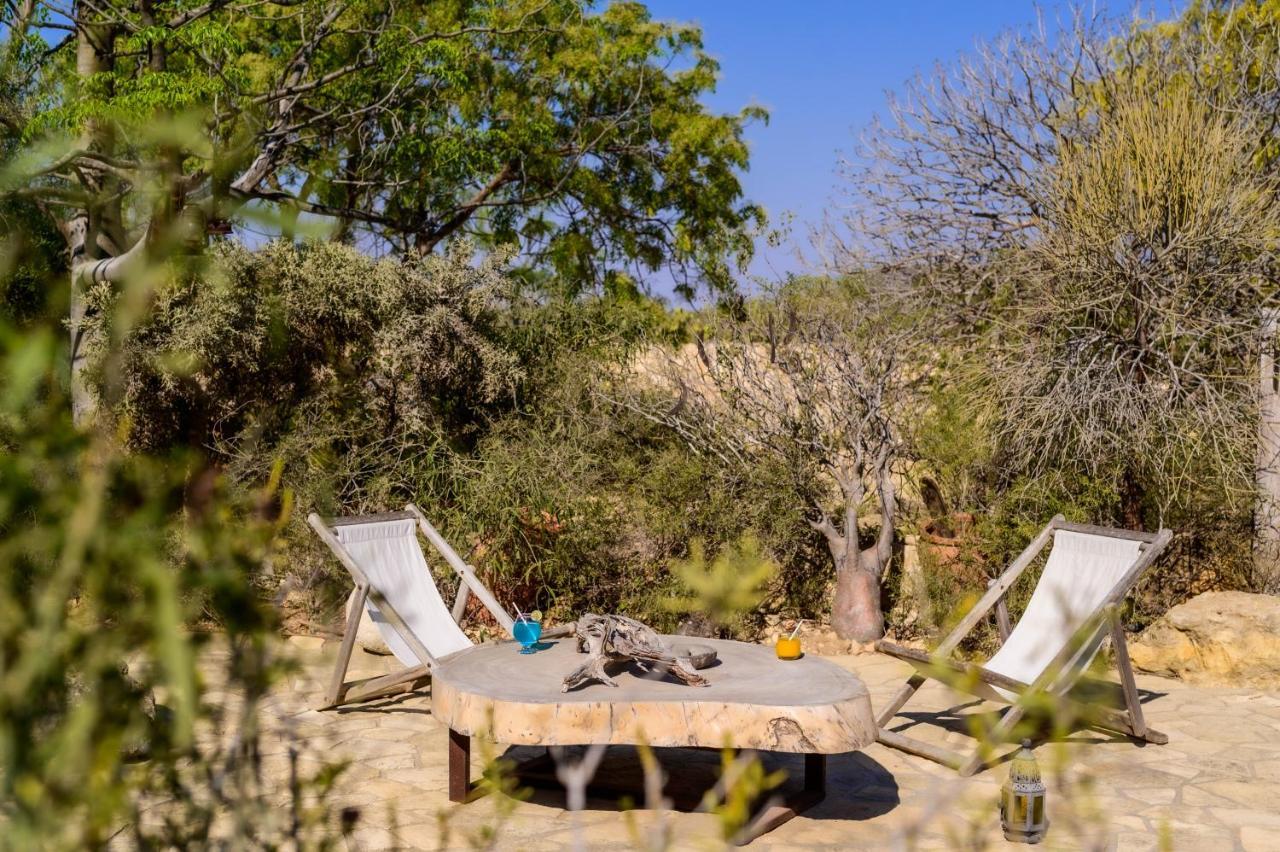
x=978, y=715
x=858, y=787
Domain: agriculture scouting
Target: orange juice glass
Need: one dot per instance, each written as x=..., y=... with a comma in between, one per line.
x=788, y=648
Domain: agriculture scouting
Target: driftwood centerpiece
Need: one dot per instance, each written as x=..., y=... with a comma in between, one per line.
x=612, y=639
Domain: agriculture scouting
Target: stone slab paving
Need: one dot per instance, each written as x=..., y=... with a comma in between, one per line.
x=1215, y=786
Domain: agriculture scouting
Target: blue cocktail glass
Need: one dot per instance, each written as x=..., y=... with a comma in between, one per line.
x=527, y=633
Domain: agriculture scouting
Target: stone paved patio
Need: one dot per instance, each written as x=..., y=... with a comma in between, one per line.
x=1215, y=786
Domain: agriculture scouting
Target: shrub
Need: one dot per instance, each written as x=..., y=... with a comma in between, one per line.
x=296, y=338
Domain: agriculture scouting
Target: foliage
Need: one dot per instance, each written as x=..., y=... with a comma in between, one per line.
x=374, y=383
x=744, y=780
x=585, y=507
x=113, y=558
x=281, y=340
x=1225, y=52
x=1130, y=346
x=578, y=133
x=810, y=379
x=33, y=251
x=1084, y=222
x=734, y=583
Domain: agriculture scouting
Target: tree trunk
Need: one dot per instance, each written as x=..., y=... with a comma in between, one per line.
x=1132, y=499
x=82, y=399
x=89, y=233
x=855, y=613
x=1266, y=539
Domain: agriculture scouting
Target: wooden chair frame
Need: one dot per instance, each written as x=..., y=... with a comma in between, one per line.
x=1058, y=677
x=341, y=691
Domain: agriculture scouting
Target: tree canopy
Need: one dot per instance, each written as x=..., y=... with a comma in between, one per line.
x=576, y=133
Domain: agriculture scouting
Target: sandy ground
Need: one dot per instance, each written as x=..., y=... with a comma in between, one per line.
x=1215, y=786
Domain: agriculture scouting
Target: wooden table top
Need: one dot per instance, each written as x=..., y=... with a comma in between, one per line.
x=755, y=701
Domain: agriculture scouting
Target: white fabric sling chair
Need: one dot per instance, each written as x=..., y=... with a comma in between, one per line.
x=1075, y=604
x=394, y=585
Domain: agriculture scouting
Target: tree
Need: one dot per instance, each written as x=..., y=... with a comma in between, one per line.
x=1105, y=277
x=540, y=122
x=952, y=176
x=1227, y=53
x=1130, y=350
x=811, y=378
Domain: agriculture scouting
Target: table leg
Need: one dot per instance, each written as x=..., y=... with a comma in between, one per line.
x=813, y=791
x=815, y=774
x=459, y=766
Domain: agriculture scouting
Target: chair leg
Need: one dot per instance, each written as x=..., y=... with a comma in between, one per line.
x=999, y=736
x=1113, y=720
x=1132, y=703
x=405, y=680
x=460, y=602
x=911, y=745
x=337, y=685
x=900, y=698
x=920, y=748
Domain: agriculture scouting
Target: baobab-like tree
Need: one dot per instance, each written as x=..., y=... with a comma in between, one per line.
x=811, y=377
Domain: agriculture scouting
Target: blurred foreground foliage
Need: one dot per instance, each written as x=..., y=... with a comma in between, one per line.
x=115, y=564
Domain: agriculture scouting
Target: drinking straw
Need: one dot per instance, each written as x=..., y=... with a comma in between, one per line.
x=519, y=614
x=793, y=632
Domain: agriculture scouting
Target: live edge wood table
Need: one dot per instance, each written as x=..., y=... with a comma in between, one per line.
x=755, y=701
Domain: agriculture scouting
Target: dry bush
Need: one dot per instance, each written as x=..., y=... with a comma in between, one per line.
x=1085, y=216
x=810, y=379
x=1136, y=326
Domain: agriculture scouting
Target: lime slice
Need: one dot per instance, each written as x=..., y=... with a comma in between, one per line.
x=536, y=615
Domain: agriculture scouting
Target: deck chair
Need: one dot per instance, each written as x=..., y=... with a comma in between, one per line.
x=394, y=585
x=1074, y=606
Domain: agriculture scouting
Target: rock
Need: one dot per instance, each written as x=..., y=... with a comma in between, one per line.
x=305, y=643
x=1225, y=638
x=697, y=624
x=815, y=638
x=368, y=637
x=823, y=641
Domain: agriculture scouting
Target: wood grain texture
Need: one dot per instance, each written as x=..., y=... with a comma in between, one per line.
x=611, y=640
x=753, y=700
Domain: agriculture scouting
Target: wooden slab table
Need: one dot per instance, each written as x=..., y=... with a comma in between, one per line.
x=755, y=701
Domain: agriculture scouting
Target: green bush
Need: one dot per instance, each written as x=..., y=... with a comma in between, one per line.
x=585, y=508
x=374, y=383
x=956, y=452
x=251, y=347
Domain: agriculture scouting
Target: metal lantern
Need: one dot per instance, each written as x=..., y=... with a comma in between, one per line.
x=1022, y=799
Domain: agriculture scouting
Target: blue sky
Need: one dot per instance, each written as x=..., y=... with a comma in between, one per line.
x=822, y=68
